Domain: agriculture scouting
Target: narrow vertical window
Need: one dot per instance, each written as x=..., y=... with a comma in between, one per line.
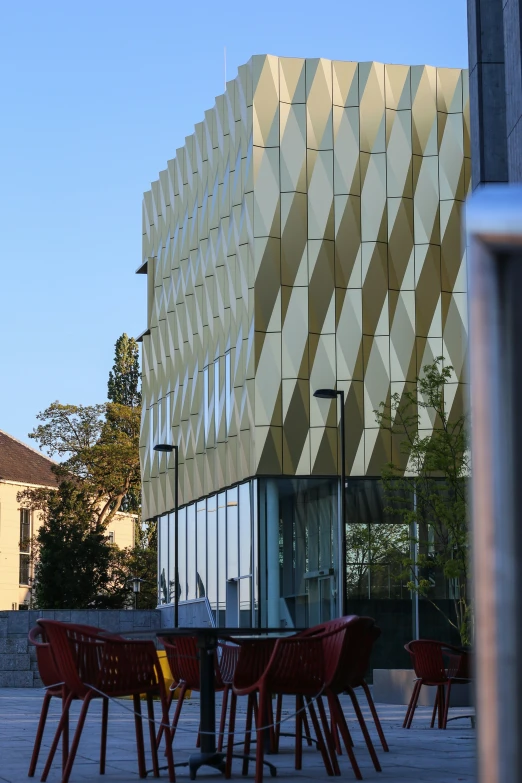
x=168, y=423
x=205, y=402
x=228, y=391
x=25, y=546
x=216, y=398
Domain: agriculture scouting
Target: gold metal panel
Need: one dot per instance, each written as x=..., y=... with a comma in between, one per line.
x=319, y=104
x=293, y=147
x=310, y=230
x=265, y=73
x=347, y=178
x=424, y=110
x=294, y=236
x=347, y=212
x=398, y=159
x=372, y=114
x=397, y=87
x=401, y=261
x=320, y=194
x=292, y=82
x=345, y=83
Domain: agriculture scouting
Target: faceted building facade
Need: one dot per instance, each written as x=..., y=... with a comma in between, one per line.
x=306, y=236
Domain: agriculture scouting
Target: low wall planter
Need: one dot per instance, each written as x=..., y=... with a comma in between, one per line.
x=395, y=686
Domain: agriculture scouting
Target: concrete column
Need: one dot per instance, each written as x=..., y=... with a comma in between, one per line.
x=272, y=554
x=487, y=87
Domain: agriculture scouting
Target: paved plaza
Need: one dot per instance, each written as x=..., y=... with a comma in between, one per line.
x=420, y=754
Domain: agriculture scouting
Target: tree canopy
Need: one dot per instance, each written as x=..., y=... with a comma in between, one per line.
x=124, y=378
x=428, y=490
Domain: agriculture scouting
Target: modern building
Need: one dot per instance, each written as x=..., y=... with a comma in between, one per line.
x=306, y=236
x=22, y=467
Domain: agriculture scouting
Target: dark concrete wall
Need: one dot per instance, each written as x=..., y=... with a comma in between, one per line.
x=495, y=84
x=18, y=667
x=487, y=91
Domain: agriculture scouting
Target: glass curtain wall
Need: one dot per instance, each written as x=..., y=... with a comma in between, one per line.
x=299, y=555
x=217, y=544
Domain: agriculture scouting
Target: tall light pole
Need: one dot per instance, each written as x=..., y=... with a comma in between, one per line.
x=332, y=394
x=169, y=448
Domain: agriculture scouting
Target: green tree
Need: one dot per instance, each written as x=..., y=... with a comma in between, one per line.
x=74, y=560
x=124, y=378
x=99, y=446
x=429, y=490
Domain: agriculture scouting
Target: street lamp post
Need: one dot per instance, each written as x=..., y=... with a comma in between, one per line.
x=169, y=448
x=136, y=586
x=332, y=394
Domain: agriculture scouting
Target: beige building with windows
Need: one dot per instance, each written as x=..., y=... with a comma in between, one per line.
x=306, y=236
x=21, y=467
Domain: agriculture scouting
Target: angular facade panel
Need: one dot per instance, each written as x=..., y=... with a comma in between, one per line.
x=307, y=235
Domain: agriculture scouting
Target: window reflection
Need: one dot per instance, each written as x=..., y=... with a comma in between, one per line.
x=201, y=550
x=191, y=552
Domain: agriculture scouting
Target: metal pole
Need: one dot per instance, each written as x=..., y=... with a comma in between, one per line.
x=342, y=526
x=176, y=558
x=494, y=226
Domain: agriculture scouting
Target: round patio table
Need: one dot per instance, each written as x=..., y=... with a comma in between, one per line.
x=207, y=640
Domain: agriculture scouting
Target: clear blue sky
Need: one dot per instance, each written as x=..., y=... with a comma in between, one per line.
x=96, y=95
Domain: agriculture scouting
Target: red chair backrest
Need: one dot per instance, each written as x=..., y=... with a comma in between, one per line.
x=428, y=660
x=110, y=664
x=47, y=670
x=347, y=660
x=76, y=662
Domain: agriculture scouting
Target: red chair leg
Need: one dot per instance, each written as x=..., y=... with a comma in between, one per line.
x=441, y=707
x=223, y=719
x=340, y=721
x=162, y=728
x=152, y=735
x=330, y=744
x=364, y=729
x=375, y=717
x=248, y=731
x=408, y=710
x=335, y=735
x=299, y=732
x=413, y=704
x=262, y=712
x=306, y=728
x=177, y=711
x=76, y=739
x=230, y=743
x=279, y=708
x=59, y=730
x=168, y=741
x=321, y=745
x=446, y=706
x=103, y=745
x=138, y=723
x=39, y=733
x=435, y=708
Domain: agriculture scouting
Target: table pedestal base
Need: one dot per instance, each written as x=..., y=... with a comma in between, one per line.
x=217, y=761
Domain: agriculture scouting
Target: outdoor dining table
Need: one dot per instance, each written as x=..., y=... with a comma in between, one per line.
x=207, y=640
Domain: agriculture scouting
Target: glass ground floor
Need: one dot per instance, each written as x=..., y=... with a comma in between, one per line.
x=268, y=552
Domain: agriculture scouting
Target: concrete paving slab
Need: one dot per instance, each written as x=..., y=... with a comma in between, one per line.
x=419, y=754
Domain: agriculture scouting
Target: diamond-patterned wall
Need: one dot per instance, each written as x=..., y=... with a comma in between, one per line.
x=306, y=235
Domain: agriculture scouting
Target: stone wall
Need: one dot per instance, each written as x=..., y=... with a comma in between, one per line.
x=18, y=667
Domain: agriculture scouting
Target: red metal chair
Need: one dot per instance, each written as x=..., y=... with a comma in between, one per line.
x=353, y=671
x=429, y=659
x=298, y=666
x=183, y=657
x=50, y=677
x=93, y=666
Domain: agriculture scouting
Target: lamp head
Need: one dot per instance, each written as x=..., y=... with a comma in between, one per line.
x=326, y=394
x=164, y=447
